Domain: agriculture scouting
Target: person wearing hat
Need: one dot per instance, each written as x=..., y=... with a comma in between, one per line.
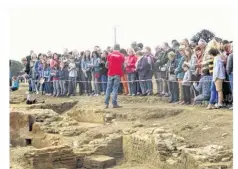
x=115, y=62
x=173, y=84
x=179, y=71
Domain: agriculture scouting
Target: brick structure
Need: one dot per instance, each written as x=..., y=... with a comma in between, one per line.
x=52, y=157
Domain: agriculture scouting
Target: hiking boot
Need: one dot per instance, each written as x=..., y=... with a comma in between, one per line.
x=116, y=106
x=106, y=106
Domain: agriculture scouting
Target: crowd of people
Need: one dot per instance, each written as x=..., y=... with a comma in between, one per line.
x=186, y=72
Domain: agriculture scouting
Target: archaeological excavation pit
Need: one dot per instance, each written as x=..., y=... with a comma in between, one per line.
x=76, y=139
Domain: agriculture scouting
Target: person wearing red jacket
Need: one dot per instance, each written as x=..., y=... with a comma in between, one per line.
x=115, y=62
x=130, y=65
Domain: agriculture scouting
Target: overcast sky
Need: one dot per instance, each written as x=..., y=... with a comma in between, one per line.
x=83, y=28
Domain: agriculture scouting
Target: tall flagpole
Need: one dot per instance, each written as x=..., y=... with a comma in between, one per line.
x=115, y=35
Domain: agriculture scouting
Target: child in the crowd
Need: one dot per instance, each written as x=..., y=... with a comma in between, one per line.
x=55, y=75
x=204, y=86
x=218, y=74
x=173, y=84
x=63, y=74
x=72, y=77
x=15, y=84
x=186, y=84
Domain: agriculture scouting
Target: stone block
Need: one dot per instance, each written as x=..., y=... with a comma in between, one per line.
x=98, y=161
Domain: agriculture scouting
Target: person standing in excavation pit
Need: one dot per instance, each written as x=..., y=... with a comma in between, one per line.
x=115, y=62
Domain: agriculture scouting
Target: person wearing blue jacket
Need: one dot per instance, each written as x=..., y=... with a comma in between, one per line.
x=204, y=86
x=15, y=84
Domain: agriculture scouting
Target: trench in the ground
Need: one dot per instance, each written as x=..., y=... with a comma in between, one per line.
x=135, y=148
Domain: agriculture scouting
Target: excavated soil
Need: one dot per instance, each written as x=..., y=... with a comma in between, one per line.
x=190, y=136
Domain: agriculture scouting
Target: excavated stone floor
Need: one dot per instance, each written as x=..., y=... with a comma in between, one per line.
x=77, y=132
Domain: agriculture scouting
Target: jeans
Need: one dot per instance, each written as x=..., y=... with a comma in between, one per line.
x=62, y=87
x=146, y=84
x=34, y=85
x=174, y=91
x=104, y=83
x=112, y=85
x=138, y=88
x=132, y=83
x=30, y=87
x=158, y=82
x=231, y=82
x=56, y=88
x=214, y=94
x=47, y=87
x=72, y=85
x=200, y=98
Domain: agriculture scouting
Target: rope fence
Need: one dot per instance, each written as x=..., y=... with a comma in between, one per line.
x=154, y=80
